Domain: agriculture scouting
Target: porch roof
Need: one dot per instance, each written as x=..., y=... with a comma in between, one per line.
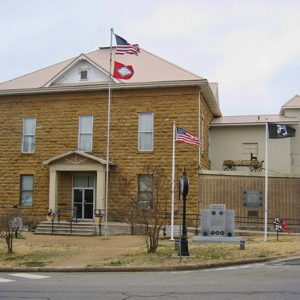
x=82, y=154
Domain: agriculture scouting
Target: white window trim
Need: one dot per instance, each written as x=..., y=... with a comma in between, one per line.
x=91, y=133
x=248, y=148
x=21, y=190
x=149, y=202
x=87, y=74
x=139, y=131
x=23, y=135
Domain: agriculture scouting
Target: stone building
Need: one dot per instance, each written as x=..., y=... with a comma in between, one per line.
x=53, y=132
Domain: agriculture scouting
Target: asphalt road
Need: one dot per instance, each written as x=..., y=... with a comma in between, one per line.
x=257, y=281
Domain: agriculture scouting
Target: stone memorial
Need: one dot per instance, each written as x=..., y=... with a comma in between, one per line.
x=218, y=225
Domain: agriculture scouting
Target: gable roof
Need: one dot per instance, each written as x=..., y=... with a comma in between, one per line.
x=73, y=63
x=150, y=71
x=148, y=68
x=83, y=154
x=252, y=120
x=292, y=103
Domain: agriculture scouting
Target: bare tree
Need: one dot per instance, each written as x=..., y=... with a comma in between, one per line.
x=10, y=226
x=149, y=203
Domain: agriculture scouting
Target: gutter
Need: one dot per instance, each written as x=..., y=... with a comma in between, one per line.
x=253, y=124
x=202, y=83
x=98, y=87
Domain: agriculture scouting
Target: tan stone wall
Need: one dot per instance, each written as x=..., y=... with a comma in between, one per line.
x=64, y=194
x=57, y=117
x=283, y=200
x=207, y=117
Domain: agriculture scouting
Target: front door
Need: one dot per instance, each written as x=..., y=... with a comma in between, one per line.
x=83, y=196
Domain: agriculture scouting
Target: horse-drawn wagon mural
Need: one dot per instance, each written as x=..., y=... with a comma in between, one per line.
x=253, y=164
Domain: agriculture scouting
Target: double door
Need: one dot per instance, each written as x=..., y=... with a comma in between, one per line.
x=83, y=197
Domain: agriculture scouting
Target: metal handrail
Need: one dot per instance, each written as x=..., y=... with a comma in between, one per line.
x=57, y=214
x=195, y=219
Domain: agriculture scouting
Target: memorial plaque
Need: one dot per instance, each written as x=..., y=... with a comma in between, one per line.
x=252, y=213
x=253, y=198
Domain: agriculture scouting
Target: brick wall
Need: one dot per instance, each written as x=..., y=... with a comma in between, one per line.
x=57, y=118
x=225, y=188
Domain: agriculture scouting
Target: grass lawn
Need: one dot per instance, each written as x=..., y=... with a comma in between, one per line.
x=59, y=251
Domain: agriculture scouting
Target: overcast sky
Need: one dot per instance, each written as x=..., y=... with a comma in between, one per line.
x=251, y=48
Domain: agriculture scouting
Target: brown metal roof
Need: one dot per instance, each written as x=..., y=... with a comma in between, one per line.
x=35, y=79
x=292, y=103
x=148, y=68
x=252, y=120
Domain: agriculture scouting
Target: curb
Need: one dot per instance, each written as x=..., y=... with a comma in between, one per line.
x=149, y=269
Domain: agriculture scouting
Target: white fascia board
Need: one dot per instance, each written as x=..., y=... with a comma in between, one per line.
x=252, y=124
x=201, y=83
x=89, y=156
x=98, y=87
x=71, y=64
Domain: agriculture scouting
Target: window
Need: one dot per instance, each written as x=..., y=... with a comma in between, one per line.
x=145, y=191
x=28, y=145
x=85, y=137
x=83, y=181
x=145, y=134
x=249, y=148
x=26, y=192
x=83, y=74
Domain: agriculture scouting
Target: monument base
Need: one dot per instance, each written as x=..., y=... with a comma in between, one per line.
x=225, y=239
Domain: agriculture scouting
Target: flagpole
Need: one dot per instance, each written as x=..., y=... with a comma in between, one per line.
x=108, y=133
x=199, y=161
x=173, y=182
x=266, y=185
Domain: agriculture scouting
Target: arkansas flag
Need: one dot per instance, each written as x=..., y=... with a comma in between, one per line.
x=122, y=72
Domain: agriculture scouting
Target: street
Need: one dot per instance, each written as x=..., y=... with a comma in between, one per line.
x=257, y=281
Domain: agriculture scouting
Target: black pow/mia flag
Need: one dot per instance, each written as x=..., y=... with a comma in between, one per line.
x=280, y=131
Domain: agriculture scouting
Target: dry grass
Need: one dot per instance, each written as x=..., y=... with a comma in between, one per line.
x=209, y=253
x=58, y=251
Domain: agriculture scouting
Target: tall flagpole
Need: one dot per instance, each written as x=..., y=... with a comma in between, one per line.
x=199, y=159
x=266, y=184
x=173, y=182
x=108, y=132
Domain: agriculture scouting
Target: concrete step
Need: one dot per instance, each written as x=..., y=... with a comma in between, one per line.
x=63, y=228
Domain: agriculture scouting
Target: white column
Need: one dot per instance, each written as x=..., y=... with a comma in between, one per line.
x=266, y=184
x=173, y=182
x=100, y=197
x=53, y=190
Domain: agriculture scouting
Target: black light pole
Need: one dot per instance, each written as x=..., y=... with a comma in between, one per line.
x=184, y=189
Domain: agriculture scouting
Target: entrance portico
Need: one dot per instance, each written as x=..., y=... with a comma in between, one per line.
x=72, y=165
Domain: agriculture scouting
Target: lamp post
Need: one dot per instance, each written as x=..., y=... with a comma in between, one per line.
x=183, y=190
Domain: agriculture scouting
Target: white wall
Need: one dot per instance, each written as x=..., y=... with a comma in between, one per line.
x=73, y=75
x=295, y=142
x=227, y=143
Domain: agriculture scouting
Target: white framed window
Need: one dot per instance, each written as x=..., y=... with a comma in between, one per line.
x=28, y=143
x=26, y=190
x=84, y=74
x=249, y=148
x=145, y=132
x=145, y=191
x=83, y=181
x=85, y=135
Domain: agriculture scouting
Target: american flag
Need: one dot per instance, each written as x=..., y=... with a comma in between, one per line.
x=124, y=47
x=183, y=136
